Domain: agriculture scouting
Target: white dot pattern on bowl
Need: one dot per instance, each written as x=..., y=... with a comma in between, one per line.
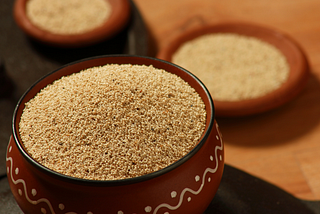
x=147, y=209
x=173, y=194
x=61, y=206
x=208, y=170
x=34, y=192
x=43, y=210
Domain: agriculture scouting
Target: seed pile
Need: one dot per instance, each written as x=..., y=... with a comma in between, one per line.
x=113, y=122
x=68, y=16
x=234, y=67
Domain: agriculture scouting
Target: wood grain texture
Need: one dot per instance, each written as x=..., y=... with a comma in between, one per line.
x=281, y=146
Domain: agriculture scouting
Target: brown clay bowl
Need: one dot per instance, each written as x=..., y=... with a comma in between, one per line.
x=299, y=68
x=117, y=21
x=186, y=186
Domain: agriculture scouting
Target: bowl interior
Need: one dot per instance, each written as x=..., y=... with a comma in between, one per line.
x=290, y=49
x=117, y=59
x=120, y=14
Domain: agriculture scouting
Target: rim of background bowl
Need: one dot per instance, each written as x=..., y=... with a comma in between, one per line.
x=299, y=68
x=140, y=60
x=120, y=14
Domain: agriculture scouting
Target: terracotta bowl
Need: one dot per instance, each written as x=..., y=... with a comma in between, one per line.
x=299, y=68
x=186, y=186
x=115, y=23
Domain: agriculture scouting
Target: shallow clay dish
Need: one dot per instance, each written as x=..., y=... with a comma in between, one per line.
x=116, y=22
x=299, y=68
x=186, y=186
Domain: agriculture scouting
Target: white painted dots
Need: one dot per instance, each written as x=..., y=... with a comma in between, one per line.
x=43, y=210
x=61, y=206
x=8, y=169
x=16, y=170
x=148, y=209
x=34, y=192
x=173, y=194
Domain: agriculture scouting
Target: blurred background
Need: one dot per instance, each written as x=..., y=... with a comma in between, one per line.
x=281, y=146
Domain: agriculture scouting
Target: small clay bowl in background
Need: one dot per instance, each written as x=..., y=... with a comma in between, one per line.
x=119, y=17
x=186, y=186
x=299, y=68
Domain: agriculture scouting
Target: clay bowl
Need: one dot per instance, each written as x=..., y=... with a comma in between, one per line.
x=115, y=23
x=299, y=68
x=186, y=186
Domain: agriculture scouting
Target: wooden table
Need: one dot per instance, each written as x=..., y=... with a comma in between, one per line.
x=281, y=146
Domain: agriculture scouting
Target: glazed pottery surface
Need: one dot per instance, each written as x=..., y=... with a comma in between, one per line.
x=296, y=58
x=187, y=186
x=118, y=19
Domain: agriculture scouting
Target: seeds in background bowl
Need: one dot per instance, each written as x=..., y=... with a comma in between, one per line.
x=113, y=122
x=234, y=67
x=68, y=16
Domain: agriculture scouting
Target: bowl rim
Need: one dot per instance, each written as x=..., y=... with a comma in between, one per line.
x=298, y=75
x=33, y=162
x=119, y=17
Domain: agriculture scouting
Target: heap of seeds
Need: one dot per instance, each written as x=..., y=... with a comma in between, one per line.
x=68, y=16
x=234, y=67
x=113, y=122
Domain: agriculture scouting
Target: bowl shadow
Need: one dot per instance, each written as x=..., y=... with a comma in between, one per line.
x=278, y=126
x=115, y=45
